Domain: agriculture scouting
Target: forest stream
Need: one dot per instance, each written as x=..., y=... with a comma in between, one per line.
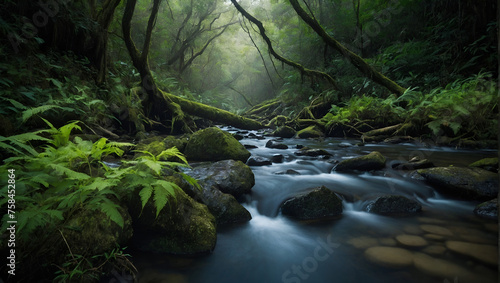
x=274, y=248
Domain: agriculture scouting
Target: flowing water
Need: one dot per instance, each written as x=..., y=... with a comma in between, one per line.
x=273, y=248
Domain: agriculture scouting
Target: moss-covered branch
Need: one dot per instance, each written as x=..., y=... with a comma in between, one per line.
x=357, y=61
x=302, y=69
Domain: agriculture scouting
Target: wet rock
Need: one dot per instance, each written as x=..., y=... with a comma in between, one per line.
x=345, y=144
x=490, y=164
x=310, y=132
x=287, y=172
x=413, y=165
x=319, y=203
x=438, y=230
x=411, y=240
x=371, y=161
x=305, y=151
x=488, y=209
x=258, y=161
x=389, y=256
x=284, y=132
x=155, y=145
x=462, y=182
x=250, y=146
x=394, y=205
x=276, y=144
x=184, y=226
x=213, y=144
x=442, y=269
x=277, y=121
x=485, y=253
x=277, y=158
x=229, y=176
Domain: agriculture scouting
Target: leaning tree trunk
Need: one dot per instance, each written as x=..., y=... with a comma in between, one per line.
x=357, y=61
x=159, y=105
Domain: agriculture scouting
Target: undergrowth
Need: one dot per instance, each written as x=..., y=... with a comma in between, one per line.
x=465, y=108
x=66, y=175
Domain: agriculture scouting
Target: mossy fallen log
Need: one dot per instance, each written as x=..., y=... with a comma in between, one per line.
x=212, y=113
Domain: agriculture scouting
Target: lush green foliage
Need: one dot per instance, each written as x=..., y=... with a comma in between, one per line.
x=463, y=108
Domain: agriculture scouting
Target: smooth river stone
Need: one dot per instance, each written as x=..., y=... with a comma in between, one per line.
x=411, y=240
x=389, y=256
x=363, y=242
x=433, y=229
x=412, y=229
x=434, y=237
x=434, y=250
x=441, y=268
x=485, y=253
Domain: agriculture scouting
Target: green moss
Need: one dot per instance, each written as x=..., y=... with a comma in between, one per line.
x=213, y=144
x=310, y=132
x=372, y=161
x=284, y=132
x=485, y=162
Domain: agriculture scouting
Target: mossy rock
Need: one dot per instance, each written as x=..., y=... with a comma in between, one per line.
x=310, y=132
x=156, y=145
x=317, y=204
x=284, y=132
x=184, y=226
x=372, y=161
x=91, y=232
x=488, y=209
x=213, y=144
x=490, y=164
x=462, y=182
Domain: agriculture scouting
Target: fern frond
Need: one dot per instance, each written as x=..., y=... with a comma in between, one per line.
x=70, y=174
x=27, y=114
x=191, y=181
x=100, y=184
x=153, y=165
x=111, y=210
x=162, y=191
x=145, y=195
x=172, y=152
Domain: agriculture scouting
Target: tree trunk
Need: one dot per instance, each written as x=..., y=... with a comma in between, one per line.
x=357, y=61
x=159, y=105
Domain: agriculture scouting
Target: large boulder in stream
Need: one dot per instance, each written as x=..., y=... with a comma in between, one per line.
x=224, y=207
x=213, y=144
x=229, y=176
x=183, y=226
x=317, y=204
x=462, y=182
x=372, y=161
x=394, y=205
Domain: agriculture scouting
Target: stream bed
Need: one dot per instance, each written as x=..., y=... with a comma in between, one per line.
x=273, y=248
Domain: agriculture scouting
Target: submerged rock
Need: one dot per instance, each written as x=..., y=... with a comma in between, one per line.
x=284, y=132
x=389, y=256
x=394, y=205
x=442, y=269
x=488, y=209
x=485, y=253
x=462, y=182
x=372, y=161
x=310, y=132
x=317, y=204
x=213, y=144
x=229, y=176
x=411, y=240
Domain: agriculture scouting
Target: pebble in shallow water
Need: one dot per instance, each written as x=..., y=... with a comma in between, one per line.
x=433, y=229
x=442, y=268
x=389, y=256
x=411, y=240
x=485, y=253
